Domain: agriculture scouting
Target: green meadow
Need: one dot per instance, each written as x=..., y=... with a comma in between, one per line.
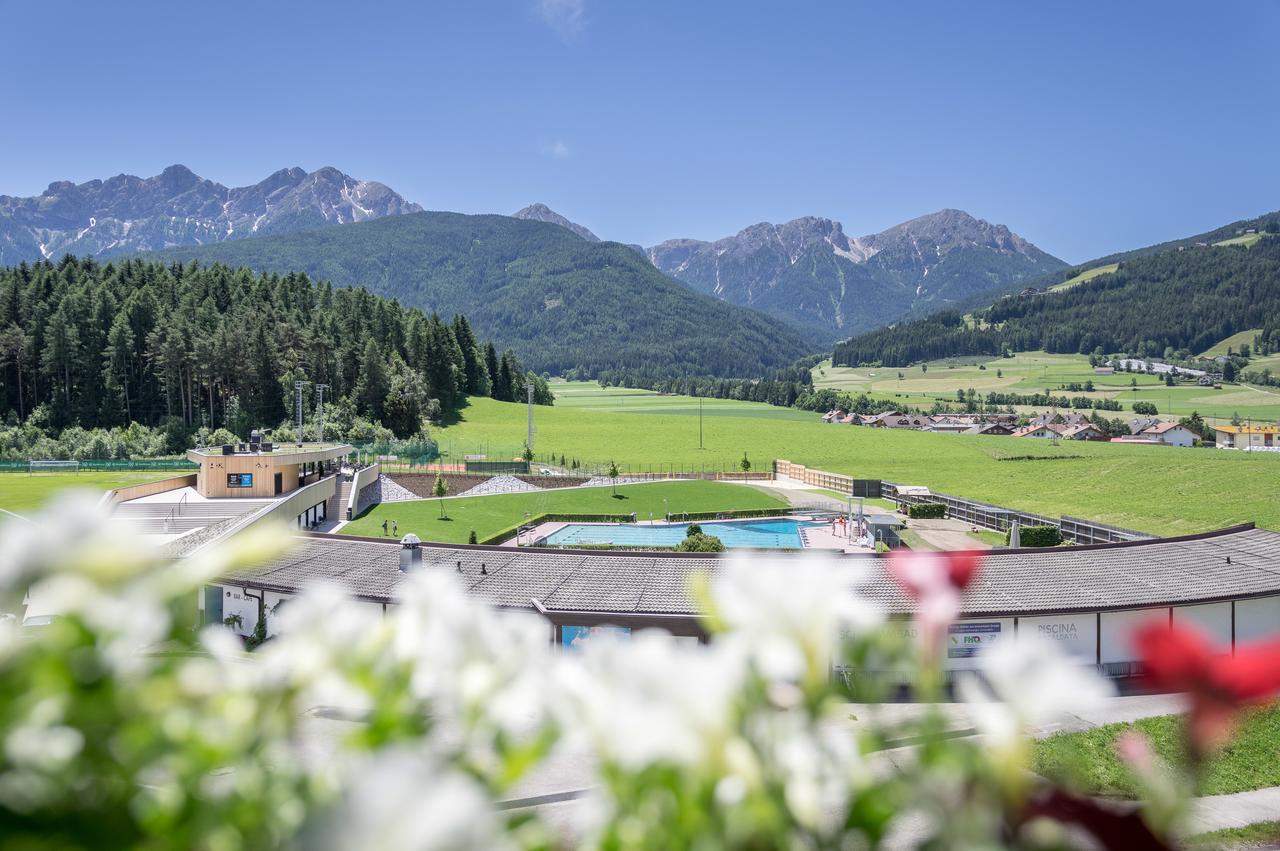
x=23, y=493
x=1038, y=372
x=1151, y=488
x=1087, y=275
x=489, y=515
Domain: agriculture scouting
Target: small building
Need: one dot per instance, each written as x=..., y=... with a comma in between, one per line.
x=1084, y=431
x=1171, y=434
x=999, y=429
x=1136, y=440
x=1104, y=370
x=261, y=469
x=1250, y=438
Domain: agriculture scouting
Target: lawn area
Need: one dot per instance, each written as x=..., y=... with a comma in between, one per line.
x=1088, y=759
x=1264, y=834
x=23, y=493
x=1155, y=489
x=488, y=515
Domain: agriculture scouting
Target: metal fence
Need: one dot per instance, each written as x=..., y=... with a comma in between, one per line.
x=972, y=511
x=100, y=465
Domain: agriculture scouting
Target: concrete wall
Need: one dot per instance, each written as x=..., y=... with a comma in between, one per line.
x=148, y=488
x=363, y=479
x=1075, y=635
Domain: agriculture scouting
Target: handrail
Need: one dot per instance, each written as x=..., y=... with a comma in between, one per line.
x=176, y=511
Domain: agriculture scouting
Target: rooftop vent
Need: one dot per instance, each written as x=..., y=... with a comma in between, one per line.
x=410, y=553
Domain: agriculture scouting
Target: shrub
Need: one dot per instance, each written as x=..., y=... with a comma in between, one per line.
x=701, y=543
x=1037, y=536
x=927, y=510
x=471, y=539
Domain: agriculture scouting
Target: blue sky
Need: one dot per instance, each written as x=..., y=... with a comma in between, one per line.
x=1087, y=127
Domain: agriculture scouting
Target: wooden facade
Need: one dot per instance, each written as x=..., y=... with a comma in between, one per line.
x=261, y=475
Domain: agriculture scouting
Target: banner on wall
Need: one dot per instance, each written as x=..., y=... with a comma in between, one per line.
x=575, y=636
x=969, y=638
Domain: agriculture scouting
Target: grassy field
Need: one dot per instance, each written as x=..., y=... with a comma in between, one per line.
x=1088, y=759
x=1234, y=342
x=1087, y=275
x=1151, y=488
x=22, y=493
x=488, y=515
x=1038, y=372
x=1248, y=240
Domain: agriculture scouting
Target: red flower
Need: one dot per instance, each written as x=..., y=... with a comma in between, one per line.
x=935, y=581
x=1183, y=659
x=925, y=573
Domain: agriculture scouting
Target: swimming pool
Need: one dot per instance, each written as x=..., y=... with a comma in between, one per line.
x=774, y=534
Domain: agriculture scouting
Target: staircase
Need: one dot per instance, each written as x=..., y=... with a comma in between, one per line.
x=169, y=518
x=335, y=510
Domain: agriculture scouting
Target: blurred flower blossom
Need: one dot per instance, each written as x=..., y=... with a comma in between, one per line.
x=935, y=580
x=1181, y=658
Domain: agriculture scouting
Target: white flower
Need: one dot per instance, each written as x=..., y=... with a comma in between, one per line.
x=402, y=801
x=1031, y=682
x=649, y=699
x=790, y=612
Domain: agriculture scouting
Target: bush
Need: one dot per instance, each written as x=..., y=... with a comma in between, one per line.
x=927, y=511
x=1037, y=536
x=700, y=543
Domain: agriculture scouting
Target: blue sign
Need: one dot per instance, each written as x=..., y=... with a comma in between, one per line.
x=239, y=480
x=576, y=636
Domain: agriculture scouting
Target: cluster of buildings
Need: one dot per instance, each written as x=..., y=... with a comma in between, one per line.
x=1049, y=425
x=1001, y=424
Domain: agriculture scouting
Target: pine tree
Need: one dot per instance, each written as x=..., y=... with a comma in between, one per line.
x=491, y=368
x=372, y=385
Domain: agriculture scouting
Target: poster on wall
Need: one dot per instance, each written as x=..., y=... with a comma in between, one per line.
x=967, y=639
x=575, y=636
x=239, y=480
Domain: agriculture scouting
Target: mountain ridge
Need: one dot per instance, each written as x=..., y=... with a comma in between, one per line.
x=565, y=304
x=832, y=283
x=126, y=213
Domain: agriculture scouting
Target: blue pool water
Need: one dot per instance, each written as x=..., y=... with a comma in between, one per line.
x=757, y=534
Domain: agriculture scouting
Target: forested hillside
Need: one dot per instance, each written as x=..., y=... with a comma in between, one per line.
x=102, y=345
x=1185, y=300
x=565, y=304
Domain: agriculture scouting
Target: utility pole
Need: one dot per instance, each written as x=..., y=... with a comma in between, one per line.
x=297, y=386
x=320, y=388
x=528, y=441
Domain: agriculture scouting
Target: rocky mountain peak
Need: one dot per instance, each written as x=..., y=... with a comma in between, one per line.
x=539, y=212
x=127, y=214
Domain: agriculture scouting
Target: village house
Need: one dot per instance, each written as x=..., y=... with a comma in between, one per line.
x=1250, y=438
x=1170, y=434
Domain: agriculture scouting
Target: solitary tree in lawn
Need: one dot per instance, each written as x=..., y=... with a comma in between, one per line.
x=613, y=477
x=527, y=455
x=440, y=488
x=745, y=464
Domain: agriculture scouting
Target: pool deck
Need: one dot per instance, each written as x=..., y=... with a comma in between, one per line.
x=815, y=538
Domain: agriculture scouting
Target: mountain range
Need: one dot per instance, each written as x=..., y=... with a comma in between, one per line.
x=810, y=273
x=789, y=288
x=127, y=214
x=1171, y=300
x=564, y=304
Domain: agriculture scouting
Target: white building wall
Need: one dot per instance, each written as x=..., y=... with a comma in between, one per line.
x=1116, y=638
x=1075, y=635
x=1257, y=619
x=235, y=602
x=1177, y=437
x=1213, y=618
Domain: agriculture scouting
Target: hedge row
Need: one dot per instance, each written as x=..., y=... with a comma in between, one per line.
x=1037, y=536
x=927, y=510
